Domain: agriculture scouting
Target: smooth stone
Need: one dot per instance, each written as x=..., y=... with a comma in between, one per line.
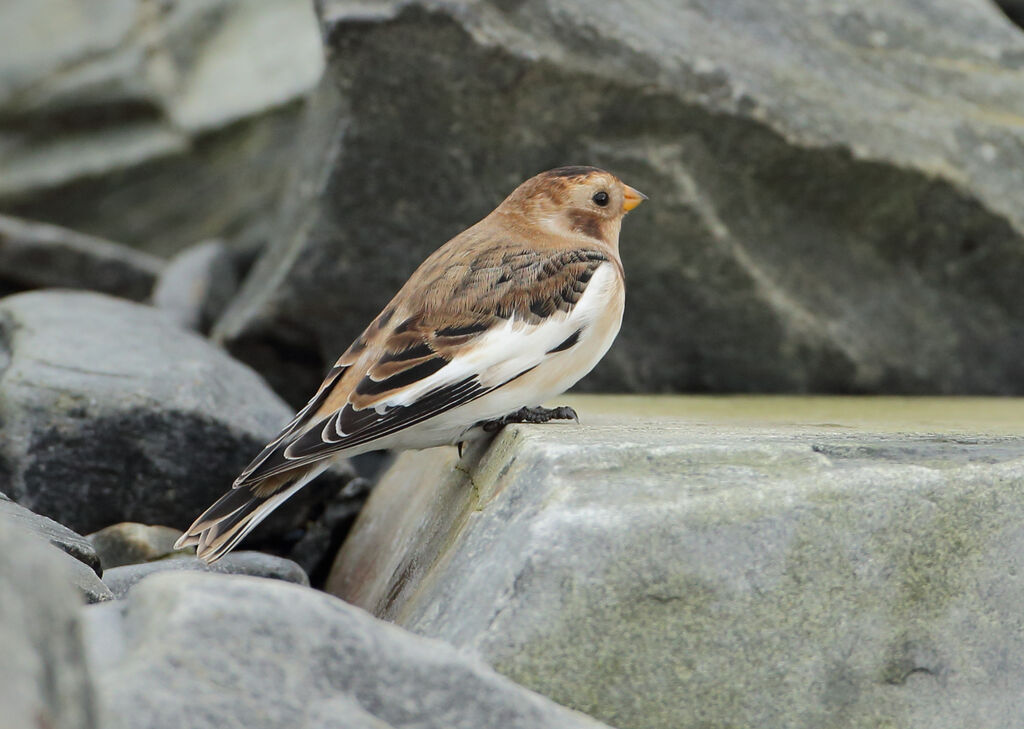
x=209, y=651
x=256, y=564
x=132, y=543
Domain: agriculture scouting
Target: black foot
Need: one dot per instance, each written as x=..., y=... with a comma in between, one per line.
x=530, y=415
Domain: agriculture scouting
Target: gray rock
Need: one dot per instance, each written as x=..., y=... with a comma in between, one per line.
x=197, y=285
x=663, y=573
x=256, y=564
x=85, y=580
x=212, y=651
x=152, y=126
x=131, y=543
x=110, y=412
x=58, y=535
x=82, y=564
x=323, y=536
x=1014, y=10
x=44, y=681
x=36, y=255
x=834, y=188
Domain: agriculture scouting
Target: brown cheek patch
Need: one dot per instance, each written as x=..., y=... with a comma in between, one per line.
x=587, y=224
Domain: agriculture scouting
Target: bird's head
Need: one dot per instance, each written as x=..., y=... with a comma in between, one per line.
x=575, y=200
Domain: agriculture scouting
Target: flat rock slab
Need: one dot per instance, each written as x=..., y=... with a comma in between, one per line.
x=211, y=651
x=723, y=570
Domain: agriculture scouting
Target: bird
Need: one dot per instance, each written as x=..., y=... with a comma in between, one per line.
x=506, y=315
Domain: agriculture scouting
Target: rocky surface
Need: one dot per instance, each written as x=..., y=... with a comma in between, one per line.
x=122, y=579
x=722, y=571
x=44, y=681
x=77, y=546
x=81, y=563
x=197, y=285
x=1014, y=10
x=212, y=651
x=36, y=255
x=834, y=202
x=132, y=543
x=110, y=413
x=91, y=587
x=155, y=125
x=321, y=538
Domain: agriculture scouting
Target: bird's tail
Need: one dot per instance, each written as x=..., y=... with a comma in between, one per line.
x=220, y=528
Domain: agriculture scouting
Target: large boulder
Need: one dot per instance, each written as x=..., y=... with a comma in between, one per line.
x=155, y=125
x=208, y=651
x=834, y=188
x=714, y=572
x=110, y=412
x=44, y=679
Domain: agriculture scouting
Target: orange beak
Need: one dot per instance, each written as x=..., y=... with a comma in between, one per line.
x=631, y=198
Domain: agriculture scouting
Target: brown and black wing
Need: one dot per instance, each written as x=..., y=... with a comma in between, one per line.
x=408, y=345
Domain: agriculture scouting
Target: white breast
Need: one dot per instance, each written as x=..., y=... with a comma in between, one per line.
x=502, y=355
x=597, y=315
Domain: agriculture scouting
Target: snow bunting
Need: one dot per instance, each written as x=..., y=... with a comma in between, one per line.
x=504, y=316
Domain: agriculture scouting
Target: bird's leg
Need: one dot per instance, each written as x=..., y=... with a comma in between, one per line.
x=530, y=415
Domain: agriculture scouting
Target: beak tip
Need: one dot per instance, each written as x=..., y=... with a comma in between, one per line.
x=633, y=198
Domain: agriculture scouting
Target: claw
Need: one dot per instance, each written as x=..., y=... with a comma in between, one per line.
x=530, y=415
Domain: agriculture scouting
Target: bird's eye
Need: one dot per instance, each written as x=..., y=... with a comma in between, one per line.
x=600, y=198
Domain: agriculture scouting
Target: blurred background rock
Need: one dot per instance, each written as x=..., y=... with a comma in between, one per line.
x=835, y=187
